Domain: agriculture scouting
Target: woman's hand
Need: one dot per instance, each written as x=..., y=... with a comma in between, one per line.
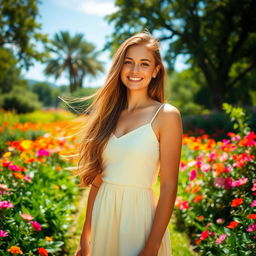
x=83, y=250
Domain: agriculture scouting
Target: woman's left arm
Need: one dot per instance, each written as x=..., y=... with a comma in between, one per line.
x=171, y=133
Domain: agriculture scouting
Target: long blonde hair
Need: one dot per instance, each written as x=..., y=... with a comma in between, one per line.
x=109, y=102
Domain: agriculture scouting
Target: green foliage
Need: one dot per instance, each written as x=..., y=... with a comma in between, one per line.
x=44, y=92
x=20, y=100
x=19, y=27
x=238, y=116
x=9, y=73
x=217, y=37
x=181, y=90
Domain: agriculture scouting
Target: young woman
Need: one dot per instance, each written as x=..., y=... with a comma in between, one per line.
x=131, y=137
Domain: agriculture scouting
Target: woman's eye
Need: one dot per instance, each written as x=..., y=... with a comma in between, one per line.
x=145, y=64
x=127, y=62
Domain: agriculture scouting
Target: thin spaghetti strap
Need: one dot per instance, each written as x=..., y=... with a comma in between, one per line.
x=156, y=113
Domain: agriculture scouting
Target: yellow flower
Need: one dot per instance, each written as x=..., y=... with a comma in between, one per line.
x=26, y=144
x=7, y=154
x=47, y=238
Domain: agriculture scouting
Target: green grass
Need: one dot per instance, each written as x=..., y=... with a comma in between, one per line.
x=179, y=241
x=40, y=116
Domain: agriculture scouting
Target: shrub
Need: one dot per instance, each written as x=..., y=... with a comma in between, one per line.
x=20, y=100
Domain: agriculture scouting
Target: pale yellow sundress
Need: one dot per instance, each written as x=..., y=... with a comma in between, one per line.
x=124, y=207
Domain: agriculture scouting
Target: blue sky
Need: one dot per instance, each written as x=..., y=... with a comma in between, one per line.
x=77, y=16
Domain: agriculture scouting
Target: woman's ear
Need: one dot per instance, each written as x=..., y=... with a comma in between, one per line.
x=156, y=70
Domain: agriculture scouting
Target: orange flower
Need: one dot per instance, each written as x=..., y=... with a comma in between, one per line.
x=15, y=250
x=18, y=175
x=195, y=189
x=198, y=198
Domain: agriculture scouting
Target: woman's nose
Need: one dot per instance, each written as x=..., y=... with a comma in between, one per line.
x=135, y=68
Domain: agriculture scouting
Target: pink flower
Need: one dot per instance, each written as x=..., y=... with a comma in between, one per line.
x=6, y=204
x=13, y=167
x=192, y=175
x=253, y=204
x=223, y=157
x=219, y=182
x=205, y=167
x=251, y=228
x=220, y=239
x=26, y=216
x=236, y=138
x=36, y=225
x=254, y=186
x=27, y=178
x=228, y=183
x=3, y=233
x=42, y=152
x=4, y=187
x=220, y=221
x=241, y=181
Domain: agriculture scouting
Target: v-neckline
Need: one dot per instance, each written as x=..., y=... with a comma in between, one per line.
x=131, y=131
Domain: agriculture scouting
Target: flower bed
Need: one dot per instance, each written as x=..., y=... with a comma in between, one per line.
x=216, y=199
x=37, y=194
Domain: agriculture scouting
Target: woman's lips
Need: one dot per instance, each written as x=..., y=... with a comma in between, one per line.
x=134, y=79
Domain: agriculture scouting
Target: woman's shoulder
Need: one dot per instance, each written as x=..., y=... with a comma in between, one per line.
x=169, y=109
x=169, y=113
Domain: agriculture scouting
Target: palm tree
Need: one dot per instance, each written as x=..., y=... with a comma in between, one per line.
x=73, y=55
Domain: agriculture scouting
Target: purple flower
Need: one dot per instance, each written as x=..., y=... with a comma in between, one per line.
x=220, y=239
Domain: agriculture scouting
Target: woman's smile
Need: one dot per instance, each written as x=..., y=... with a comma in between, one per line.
x=134, y=79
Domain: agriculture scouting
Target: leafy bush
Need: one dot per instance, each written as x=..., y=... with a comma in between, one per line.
x=20, y=100
x=215, y=124
x=217, y=188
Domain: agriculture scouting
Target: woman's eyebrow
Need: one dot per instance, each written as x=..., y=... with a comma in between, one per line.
x=141, y=59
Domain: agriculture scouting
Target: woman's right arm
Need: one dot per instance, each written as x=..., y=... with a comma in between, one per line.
x=86, y=232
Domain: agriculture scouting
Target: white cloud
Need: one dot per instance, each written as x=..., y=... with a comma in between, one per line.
x=94, y=7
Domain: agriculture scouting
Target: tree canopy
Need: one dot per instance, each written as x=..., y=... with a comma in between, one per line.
x=18, y=29
x=216, y=36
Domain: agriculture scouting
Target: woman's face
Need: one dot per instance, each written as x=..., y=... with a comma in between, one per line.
x=139, y=67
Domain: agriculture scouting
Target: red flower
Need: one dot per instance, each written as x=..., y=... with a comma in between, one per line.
x=232, y=224
x=203, y=236
x=236, y=202
x=42, y=251
x=251, y=216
